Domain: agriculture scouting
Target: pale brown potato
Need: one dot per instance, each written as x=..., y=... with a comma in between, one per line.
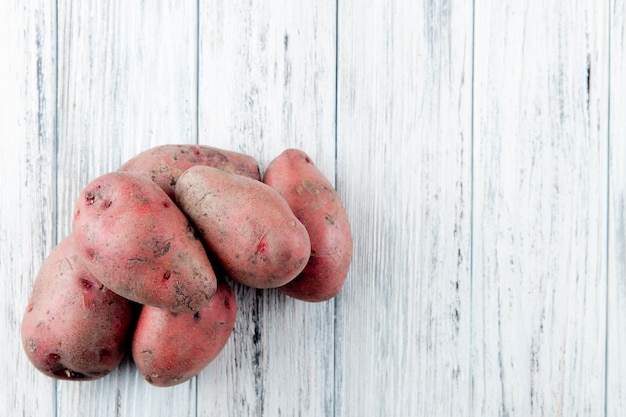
x=171, y=348
x=74, y=328
x=140, y=245
x=164, y=164
x=316, y=204
x=246, y=224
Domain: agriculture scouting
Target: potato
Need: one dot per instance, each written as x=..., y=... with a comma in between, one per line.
x=140, y=245
x=246, y=224
x=316, y=204
x=74, y=328
x=171, y=348
x=164, y=164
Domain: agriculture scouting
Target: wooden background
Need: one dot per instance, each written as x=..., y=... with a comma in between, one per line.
x=479, y=148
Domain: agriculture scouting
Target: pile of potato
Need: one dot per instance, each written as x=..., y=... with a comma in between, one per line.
x=143, y=268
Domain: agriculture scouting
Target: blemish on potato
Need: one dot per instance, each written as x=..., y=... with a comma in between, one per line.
x=67, y=373
x=32, y=345
x=161, y=248
x=69, y=264
x=89, y=198
x=71, y=374
x=262, y=248
x=29, y=308
x=105, y=354
x=85, y=283
x=311, y=186
x=142, y=260
x=167, y=275
x=52, y=358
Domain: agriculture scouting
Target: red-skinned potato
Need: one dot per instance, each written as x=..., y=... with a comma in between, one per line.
x=170, y=348
x=140, y=245
x=74, y=328
x=316, y=204
x=164, y=164
x=246, y=224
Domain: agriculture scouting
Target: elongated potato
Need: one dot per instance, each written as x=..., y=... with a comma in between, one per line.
x=140, y=245
x=316, y=204
x=164, y=164
x=246, y=224
x=74, y=328
x=170, y=348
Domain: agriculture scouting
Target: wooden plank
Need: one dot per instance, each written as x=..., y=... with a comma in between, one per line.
x=267, y=83
x=616, y=337
x=27, y=180
x=404, y=170
x=540, y=224
x=127, y=82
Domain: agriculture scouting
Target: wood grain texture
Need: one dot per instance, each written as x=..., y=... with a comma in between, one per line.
x=478, y=147
x=540, y=191
x=404, y=160
x=616, y=337
x=27, y=180
x=267, y=83
x=127, y=82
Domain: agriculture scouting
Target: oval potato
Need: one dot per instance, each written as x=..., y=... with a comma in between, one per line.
x=74, y=328
x=246, y=224
x=140, y=245
x=170, y=348
x=316, y=204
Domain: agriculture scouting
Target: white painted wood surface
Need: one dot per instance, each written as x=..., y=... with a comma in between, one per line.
x=540, y=201
x=616, y=308
x=479, y=148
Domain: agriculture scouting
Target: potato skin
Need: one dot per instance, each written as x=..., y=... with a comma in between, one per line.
x=74, y=328
x=170, y=348
x=164, y=164
x=140, y=245
x=316, y=204
x=246, y=224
